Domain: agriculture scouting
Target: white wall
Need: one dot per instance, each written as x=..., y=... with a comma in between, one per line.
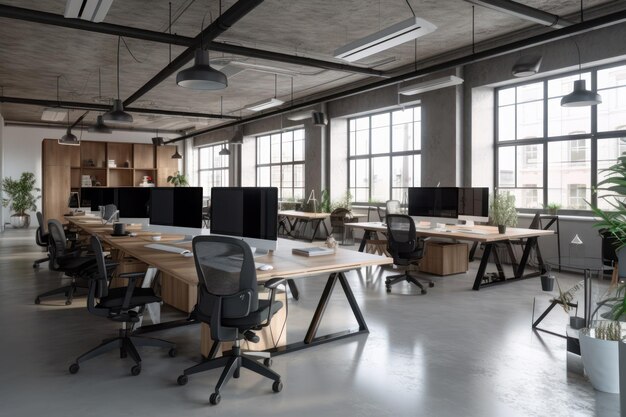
x=21, y=150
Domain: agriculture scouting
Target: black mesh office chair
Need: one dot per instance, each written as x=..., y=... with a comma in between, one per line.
x=110, y=214
x=66, y=260
x=405, y=248
x=41, y=238
x=338, y=219
x=609, y=255
x=118, y=304
x=228, y=301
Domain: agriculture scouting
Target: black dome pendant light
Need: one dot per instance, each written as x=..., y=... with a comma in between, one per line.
x=117, y=113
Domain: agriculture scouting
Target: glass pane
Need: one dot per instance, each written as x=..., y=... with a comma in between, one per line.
x=506, y=123
x=612, y=110
x=402, y=171
x=361, y=195
x=417, y=136
x=263, y=177
x=417, y=170
x=567, y=120
x=217, y=158
x=287, y=177
x=560, y=87
x=298, y=145
x=612, y=77
x=380, y=179
x=608, y=152
x=402, y=116
x=402, y=139
x=352, y=174
x=380, y=140
x=530, y=120
x=569, y=173
x=417, y=114
x=506, y=96
x=263, y=150
x=352, y=125
x=362, y=173
x=363, y=123
x=530, y=166
x=506, y=166
x=205, y=158
x=530, y=92
x=526, y=198
x=205, y=182
x=380, y=120
x=275, y=176
x=298, y=193
x=275, y=151
x=352, y=144
x=362, y=142
x=287, y=151
x=298, y=175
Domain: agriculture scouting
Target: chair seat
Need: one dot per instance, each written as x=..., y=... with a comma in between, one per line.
x=253, y=319
x=141, y=296
x=71, y=265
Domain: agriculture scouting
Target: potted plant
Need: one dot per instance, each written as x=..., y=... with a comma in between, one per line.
x=178, y=180
x=553, y=208
x=503, y=212
x=20, y=198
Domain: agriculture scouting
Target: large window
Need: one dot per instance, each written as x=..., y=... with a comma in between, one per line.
x=212, y=168
x=552, y=154
x=384, y=155
x=280, y=163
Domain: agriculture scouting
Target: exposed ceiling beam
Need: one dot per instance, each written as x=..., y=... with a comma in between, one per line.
x=524, y=12
x=216, y=28
x=105, y=107
x=35, y=16
x=567, y=32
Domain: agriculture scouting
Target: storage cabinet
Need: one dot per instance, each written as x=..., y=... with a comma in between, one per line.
x=445, y=258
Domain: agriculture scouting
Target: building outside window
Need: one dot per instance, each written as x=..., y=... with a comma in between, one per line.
x=280, y=163
x=384, y=155
x=546, y=153
x=211, y=168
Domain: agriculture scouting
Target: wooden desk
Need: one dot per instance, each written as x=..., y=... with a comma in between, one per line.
x=286, y=265
x=490, y=239
x=296, y=218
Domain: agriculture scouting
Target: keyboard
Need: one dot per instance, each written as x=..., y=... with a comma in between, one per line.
x=168, y=248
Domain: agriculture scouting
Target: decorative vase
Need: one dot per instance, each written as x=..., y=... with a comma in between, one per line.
x=600, y=359
x=20, y=221
x=502, y=229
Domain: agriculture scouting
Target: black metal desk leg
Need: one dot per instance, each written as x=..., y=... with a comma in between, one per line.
x=483, y=266
x=316, y=228
x=321, y=307
x=472, y=251
x=530, y=244
x=511, y=252
x=366, y=236
x=294, y=289
x=353, y=304
x=496, y=259
x=544, y=314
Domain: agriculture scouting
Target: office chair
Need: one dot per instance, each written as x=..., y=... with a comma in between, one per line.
x=392, y=207
x=118, y=305
x=405, y=248
x=338, y=219
x=228, y=301
x=41, y=238
x=110, y=213
x=609, y=255
x=65, y=260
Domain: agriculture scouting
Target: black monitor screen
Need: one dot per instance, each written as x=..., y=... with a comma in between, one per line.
x=474, y=201
x=96, y=197
x=133, y=201
x=245, y=211
x=176, y=206
x=434, y=202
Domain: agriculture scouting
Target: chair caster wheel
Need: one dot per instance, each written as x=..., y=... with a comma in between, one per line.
x=135, y=370
x=35, y=265
x=423, y=291
x=267, y=362
x=74, y=368
x=68, y=302
x=172, y=352
x=37, y=300
x=182, y=380
x=388, y=289
x=277, y=386
x=215, y=398
x=431, y=284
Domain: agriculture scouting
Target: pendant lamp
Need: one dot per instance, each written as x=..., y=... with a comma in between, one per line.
x=117, y=113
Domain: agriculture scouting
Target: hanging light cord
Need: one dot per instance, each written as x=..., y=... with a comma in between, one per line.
x=473, y=32
x=119, y=40
x=410, y=7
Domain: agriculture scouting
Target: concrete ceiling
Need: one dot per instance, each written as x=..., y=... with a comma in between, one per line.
x=33, y=55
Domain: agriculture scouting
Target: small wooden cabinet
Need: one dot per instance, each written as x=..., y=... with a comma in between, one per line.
x=445, y=258
x=63, y=167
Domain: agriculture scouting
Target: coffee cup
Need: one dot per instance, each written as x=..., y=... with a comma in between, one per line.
x=119, y=228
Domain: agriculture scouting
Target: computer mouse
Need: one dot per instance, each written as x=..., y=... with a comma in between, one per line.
x=266, y=267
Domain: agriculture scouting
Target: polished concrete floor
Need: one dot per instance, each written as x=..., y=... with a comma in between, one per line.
x=452, y=352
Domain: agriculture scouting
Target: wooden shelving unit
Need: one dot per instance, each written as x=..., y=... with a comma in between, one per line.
x=63, y=168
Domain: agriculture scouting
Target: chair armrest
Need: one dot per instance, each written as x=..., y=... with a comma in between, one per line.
x=274, y=283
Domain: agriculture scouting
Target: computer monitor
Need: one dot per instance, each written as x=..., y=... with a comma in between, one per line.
x=176, y=210
x=474, y=204
x=250, y=213
x=95, y=197
x=434, y=204
x=133, y=202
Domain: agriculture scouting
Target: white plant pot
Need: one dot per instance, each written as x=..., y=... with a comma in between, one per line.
x=622, y=377
x=20, y=222
x=601, y=361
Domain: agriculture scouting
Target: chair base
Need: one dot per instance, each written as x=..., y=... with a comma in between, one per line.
x=232, y=365
x=68, y=290
x=394, y=279
x=127, y=344
x=40, y=261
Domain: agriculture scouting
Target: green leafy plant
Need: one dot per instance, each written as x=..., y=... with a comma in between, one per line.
x=325, y=202
x=178, y=180
x=502, y=210
x=19, y=193
x=614, y=185
x=552, y=207
x=343, y=202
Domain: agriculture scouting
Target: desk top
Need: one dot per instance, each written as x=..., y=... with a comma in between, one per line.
x=303, y=214
x=456, y=232
x=286, y=265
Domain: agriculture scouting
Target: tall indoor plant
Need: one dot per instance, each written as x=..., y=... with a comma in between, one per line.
x=502, y=211
x=20, y=197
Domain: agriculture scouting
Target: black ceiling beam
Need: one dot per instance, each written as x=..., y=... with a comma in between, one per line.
x=152, y=36
x=552, y=36
x=219, y=26
x=105, y=107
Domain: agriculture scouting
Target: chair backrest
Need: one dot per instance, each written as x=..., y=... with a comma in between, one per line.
x=100, y=281
x=536, y=222
x=110, y=210
x=393, y=206
x=42, y=236
x=400, y=233
x=609, y=243
x=340, y=216
x=225, y=268
x=57, y=242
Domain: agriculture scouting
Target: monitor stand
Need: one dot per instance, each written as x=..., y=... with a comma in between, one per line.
x=432, y=226
x=469, y=223
x=258, y=252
